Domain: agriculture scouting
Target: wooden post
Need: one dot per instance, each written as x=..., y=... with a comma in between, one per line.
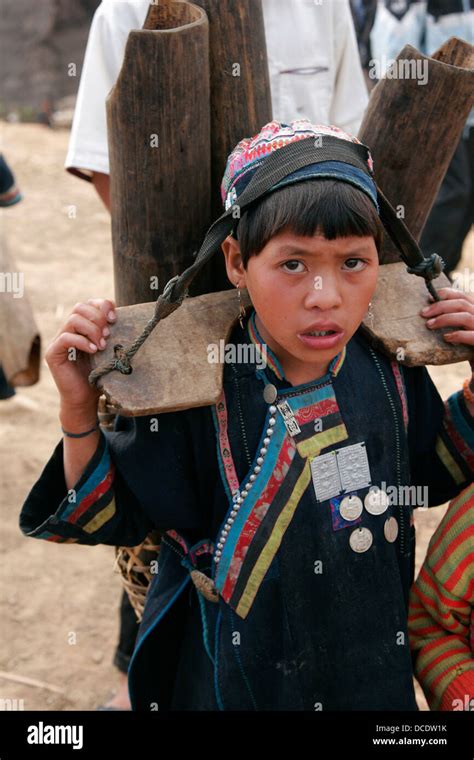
x=158, y=118
x=413, y=129
x=188, y=91
x=240, y=91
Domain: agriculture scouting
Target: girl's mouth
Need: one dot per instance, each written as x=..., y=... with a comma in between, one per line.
x=321, y=338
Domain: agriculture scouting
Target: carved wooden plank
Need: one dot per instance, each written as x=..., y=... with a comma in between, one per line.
x=399, y=330
x=171, y=370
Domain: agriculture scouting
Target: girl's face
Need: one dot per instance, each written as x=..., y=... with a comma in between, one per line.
x=300, y=285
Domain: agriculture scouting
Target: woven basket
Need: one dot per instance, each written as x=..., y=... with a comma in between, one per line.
x=134, y=566
x=133, y=563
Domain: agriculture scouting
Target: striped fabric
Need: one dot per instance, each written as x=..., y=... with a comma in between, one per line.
x=455, y=442
x=257, y=531
x=91, y=506
x=441, y=613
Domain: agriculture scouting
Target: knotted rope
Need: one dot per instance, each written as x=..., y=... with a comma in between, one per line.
x=121, y=362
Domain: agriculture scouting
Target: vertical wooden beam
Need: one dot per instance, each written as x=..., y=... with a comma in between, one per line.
x=159, y=144
x=409, y=132
x=240, y=91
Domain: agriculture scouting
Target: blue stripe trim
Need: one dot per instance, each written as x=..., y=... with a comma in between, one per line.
x=274, y=447
x=333, y=170
x=96, y=477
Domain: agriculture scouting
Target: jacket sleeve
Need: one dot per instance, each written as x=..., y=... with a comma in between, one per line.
x=142, y=476
x=441, y=610
x=99, y=509
x=440, y=438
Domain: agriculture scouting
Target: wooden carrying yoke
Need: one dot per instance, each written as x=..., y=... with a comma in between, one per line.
x=410, y=163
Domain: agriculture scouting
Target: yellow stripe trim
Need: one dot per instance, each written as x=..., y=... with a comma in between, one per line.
x=312, y=447
x=448, y=461
x=102, y=517
x=273, y=544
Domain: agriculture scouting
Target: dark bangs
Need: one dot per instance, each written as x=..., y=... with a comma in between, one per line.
x=329, y=207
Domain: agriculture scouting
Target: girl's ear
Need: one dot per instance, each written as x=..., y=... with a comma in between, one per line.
x=233, y=261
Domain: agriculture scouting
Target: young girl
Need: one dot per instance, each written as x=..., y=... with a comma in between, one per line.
x=441, y=619
x=285, y=567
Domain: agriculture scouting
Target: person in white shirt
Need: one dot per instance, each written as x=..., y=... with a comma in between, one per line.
x=313, y=62
x=314, y=70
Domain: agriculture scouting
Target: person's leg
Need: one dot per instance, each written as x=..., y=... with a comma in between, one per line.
x=444, y=231
x=123, y=653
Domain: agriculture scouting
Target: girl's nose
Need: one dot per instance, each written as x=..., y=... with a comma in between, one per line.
x=323, y=292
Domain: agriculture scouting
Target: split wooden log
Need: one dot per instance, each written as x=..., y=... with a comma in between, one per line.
x=412, y=126
x=187, y=92
x=240, y=92
x=412, y=136
x=240, y=84
x=158, y=117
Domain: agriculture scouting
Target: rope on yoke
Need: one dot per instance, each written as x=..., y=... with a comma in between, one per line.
x=275, y=167
x=163, y=308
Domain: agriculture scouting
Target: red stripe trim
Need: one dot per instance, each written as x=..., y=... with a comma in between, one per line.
x=94, y=496
x=259, y=510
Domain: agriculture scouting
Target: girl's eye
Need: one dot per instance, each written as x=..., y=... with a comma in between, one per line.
x=352, y=264
x=291, y=268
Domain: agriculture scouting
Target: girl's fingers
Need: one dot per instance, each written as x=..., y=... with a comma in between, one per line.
x=106, y=306
x=447, y=293
x=69, y=340
x=462, y=319
x=452, y=305
x=79, y=324
x=460, y=336
x=94, y=314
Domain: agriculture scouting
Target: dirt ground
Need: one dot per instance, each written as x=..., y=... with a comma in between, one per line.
x=59, y=604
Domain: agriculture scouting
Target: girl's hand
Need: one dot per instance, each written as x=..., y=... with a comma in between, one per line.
x=456, y=309
x=84, y=332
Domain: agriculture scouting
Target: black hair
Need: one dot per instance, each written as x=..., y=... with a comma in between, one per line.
x=326, y=206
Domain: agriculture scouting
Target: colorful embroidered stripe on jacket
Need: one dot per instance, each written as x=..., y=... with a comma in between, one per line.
x=253, y=541
x=91, y=506
x=441, y=614
x=455, y=442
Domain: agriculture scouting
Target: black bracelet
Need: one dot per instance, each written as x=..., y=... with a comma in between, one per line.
x=81, y=435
